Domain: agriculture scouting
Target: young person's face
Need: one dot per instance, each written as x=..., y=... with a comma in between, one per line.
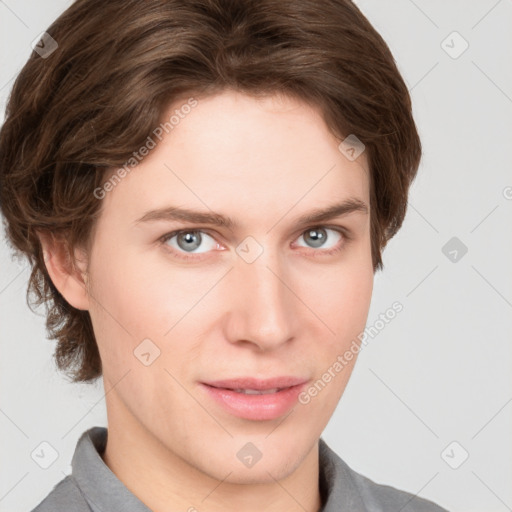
x=263, y=298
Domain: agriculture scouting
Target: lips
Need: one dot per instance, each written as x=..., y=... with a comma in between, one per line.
x=255, y=399
x=250, y=383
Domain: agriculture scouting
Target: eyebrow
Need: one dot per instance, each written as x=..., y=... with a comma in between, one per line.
x=171, y=213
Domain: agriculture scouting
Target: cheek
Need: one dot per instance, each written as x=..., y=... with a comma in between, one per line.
x=138, y=292
x=345, y=308
x=143, y=297
x=343, y=294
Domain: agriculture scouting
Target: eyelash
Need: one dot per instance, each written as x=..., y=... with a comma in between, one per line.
x=326, y=252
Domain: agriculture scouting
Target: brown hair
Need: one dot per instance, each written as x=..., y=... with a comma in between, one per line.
x=86, y=107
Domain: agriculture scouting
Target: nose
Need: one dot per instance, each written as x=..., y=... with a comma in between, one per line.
x=264, y=311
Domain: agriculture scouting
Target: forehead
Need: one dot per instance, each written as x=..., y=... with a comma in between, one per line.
x=258, y=157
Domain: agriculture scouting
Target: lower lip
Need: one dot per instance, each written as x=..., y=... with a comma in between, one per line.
x=255, y=407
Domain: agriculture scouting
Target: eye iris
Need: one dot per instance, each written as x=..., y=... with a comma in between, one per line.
x=189, y=236
x=318, y=236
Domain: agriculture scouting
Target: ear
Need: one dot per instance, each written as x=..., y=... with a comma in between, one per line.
x=69, y=278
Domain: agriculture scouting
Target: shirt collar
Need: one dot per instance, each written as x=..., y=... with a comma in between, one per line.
x=104, y=492
x=336, y=484
x=101, y=488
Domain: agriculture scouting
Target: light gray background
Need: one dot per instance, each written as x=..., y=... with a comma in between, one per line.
x=440, y=371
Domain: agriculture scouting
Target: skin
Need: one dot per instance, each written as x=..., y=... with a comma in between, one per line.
x=263, y=162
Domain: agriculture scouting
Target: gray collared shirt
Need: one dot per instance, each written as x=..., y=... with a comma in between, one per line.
x=92, y=487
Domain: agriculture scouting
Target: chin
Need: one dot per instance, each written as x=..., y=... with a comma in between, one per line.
x=258, y=475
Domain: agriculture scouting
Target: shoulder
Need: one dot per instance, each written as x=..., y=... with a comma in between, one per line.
x=385, y=498
x=65, y=496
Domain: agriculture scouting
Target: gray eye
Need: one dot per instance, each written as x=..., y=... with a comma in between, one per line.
x=319, y=237
x=189, y=240
x=315, y=237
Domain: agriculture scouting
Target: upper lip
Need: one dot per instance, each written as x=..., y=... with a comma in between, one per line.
x=257, y=384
